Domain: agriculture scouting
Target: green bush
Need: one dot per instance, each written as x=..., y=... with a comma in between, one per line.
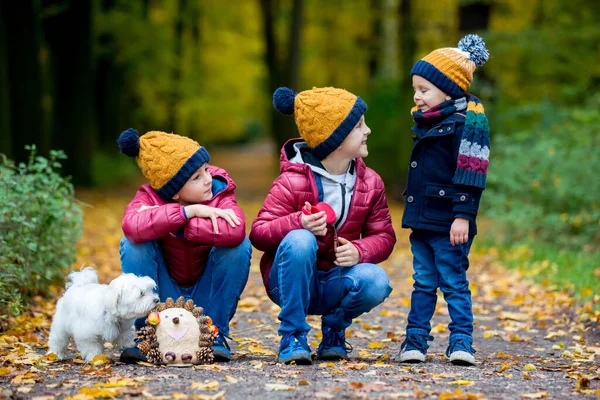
x=543, y=182
x=40, y=223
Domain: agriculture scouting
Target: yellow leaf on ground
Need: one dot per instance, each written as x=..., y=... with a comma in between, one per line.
x=231, y=379
x=530, y=367
x=100, y=359
x=5, y=371
x=212, y=385
x=461, y=382
x=538, y=395
x=375, y=345
x=96, y=392
x=526, y=375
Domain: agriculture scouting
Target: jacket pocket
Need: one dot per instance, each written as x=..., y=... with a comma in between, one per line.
x=439, y=202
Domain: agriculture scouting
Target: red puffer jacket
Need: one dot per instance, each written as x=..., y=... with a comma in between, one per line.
x=185, y=244
x=368, y=225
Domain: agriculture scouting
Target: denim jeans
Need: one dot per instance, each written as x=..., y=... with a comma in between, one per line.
x=339, y=295
x=439, y=264
x=217, y=290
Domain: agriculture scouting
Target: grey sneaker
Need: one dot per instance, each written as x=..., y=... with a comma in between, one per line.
x=460, y=352
x=414, y=348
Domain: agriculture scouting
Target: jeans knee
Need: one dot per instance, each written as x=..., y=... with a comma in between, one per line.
x=376, y=286
x=136, y=252
x=300, y=241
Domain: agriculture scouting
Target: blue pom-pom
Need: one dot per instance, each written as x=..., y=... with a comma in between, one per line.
x=129, y=142
x=475, y=46
x=283, y=100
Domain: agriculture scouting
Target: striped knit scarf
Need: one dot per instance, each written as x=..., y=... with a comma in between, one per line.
x=474, y=151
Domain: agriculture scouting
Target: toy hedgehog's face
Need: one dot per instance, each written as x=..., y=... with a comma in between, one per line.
x=177, y=322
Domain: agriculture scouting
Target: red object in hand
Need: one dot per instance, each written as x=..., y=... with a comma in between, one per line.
x=321, y=207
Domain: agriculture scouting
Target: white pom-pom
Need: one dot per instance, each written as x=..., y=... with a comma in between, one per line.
x=475, y=46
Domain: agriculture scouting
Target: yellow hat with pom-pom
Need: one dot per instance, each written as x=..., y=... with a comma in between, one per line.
x=167, y=160
x=324, y=116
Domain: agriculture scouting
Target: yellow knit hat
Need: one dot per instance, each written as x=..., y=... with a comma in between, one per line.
x=451, y=69
x=166, y=160
x=324, y=116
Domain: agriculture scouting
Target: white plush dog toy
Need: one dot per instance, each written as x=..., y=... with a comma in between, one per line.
x=92, y=313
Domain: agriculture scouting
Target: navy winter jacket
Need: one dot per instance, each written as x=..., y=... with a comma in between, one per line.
x=432, y=200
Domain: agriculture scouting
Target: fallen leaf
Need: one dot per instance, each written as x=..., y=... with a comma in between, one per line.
x=461, y=382
x=375, y=345
x=212, y=385
x=530, y=367
x=538, y=395
x=231, y=379
x=278, y=387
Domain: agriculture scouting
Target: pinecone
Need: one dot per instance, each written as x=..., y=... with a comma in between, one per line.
x=146, y=333
x=207, y=337
x=204, y=328
x=144, y=347
x=197, y=311
x=154, y=356
x=160, y=307
x=205, y=343
x=169, y=303
x=203, y=319
x=179, y=303
x=205, y=355
x=189, y=305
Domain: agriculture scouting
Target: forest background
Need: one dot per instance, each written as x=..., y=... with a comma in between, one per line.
x=74, y=74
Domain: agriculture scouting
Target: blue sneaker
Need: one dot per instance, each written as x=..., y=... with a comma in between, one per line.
x=414, y=348
x=333, y=345
x=221, y=349
x=293, y=347
x=460, y=352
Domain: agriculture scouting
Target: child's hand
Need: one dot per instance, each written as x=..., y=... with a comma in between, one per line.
x=203, y=211
x=459, y=231
x=316, y=223
x=142, y=208
x=347, y=254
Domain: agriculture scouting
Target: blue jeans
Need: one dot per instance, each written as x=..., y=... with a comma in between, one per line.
x=217, y=290
x=339, y=295
x=439, y=264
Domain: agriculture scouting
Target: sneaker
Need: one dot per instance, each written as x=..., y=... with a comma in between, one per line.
x=333, y=346
x=414, y=348
x=221, y=349
x=132, y=355
x=293, y=347
x=460, y=352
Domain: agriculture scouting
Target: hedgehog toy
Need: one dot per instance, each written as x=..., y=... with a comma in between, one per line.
x=177, y=333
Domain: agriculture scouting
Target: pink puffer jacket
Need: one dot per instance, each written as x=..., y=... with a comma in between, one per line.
x=185, y=244
x=368, y=225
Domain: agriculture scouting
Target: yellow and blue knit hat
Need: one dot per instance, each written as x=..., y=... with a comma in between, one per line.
x=166, y=160
x=451, y=69
x=324, y=116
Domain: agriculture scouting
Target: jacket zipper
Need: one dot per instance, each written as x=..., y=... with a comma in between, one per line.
x=343, y=187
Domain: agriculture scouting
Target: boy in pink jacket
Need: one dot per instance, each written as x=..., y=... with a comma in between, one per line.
x=318, y=263
x=185, y=230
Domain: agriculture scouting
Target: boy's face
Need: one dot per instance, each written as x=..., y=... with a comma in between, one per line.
x=198, y=188
x=427, y=95
x=355, y=144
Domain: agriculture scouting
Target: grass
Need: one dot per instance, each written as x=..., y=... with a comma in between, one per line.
x=575, y=271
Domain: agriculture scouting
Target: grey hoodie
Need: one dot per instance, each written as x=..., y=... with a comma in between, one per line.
x=337, y=195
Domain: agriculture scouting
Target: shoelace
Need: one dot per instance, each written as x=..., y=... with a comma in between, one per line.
x=460, y=345
x=337, y=339
x=297, y=340
x=221, y=341
x=417, y=341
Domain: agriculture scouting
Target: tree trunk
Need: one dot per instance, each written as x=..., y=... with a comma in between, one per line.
x=110, y=79
x=408, y=46
x=5, y=139
x=69, y=35
x=176, y=77
x=22, y=28
x=284, y=73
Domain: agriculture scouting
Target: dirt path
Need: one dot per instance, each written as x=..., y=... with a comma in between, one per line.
x=530, y=343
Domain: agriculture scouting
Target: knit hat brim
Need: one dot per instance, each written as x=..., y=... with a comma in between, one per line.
x=334, y=140
x=174, y=185
x=435, y=76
